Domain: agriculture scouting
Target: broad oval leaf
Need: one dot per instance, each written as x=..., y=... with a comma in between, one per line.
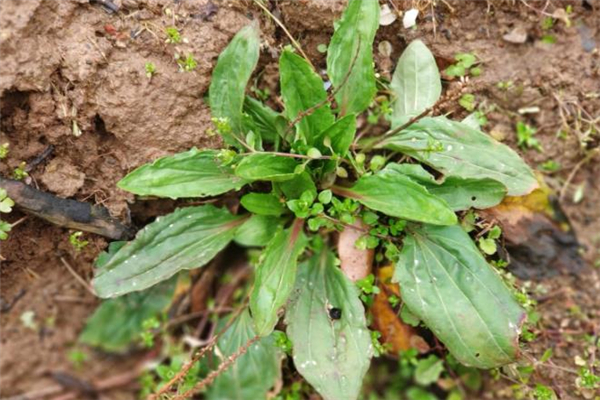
x=351, y=43
x=266, y=167
x=193, y=173
x=464, y=152
x=257, y=231
x=459, y=193
x=185, y=239
x=301, y=89
x=341, y=134
x=230, y=77
x=253, y=374
x=333, y=355
x=263, y=204
x=416, y=82
x=275, y=277
x=399, y=196
x=447, y=283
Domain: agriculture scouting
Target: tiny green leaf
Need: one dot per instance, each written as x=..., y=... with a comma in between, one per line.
x=262, y=204
x=301, y=89
x=193, y=173
x=266, y=167
x=275, y=276
x=416, y=82
x=350, y=56
x=464, y=152
x=428, y=370
x=397, y=195
x=447, y=283
x=185, y=239
x=230, y=77
x=333, y=355
x=254, y=373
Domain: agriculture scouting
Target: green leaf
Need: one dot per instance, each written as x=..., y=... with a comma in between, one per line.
x=301, y=89
x=465, y=153
x=397, y=195
x=230, y=77
x=447, y=283
x=459, y=193
x=333, y=355
x=117, y=323
x=257, y=231
x=275, y=276
x=416, y=82
x=340, y=134
x=185, y=239
x=263, y=204
x=301, y=183
x=269, y=123
x=353, y=39
x=428, y=370
x=193, y=173
x=266, y=167
x=253, y=374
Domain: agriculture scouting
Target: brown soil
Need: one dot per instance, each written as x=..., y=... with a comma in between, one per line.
x=70, y=66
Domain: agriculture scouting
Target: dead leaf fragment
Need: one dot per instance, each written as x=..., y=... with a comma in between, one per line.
x=355, y=263
x=518, y=35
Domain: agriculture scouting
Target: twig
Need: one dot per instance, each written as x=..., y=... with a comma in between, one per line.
x=289, y=35
x=77, y=277
x=587, y=158
x=222, y=367
x=356, y=228
x=184, y=370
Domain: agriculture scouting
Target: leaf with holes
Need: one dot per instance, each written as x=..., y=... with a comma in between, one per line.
x=301, y=89
x=447, y=283
x=458, y=150
x=185, y=239
x=416, y=82
x=459, y=193
x=253, y=374
x=193, y=173
x=332, y=354
x=230, y=78
x=397, y=195
x=350, y=56
x=275, y=276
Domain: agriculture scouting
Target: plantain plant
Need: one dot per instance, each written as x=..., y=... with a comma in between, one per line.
x=303, y=174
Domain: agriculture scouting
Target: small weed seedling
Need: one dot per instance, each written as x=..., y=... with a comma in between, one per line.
x=76, y=241
x=304, y=174
x=6, y=205
x=150, y=69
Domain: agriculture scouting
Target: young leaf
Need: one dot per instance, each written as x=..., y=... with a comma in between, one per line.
x=230, y=77
x=193, y=173
x=416, y=82
x=397, y=195
x=301, y=89
x=269, y=123
x=266, y=167
x=254, y=373
x=185, y=239
x=341, y=134
x=263, y=204
x=459, y=193
x=275, y=276
x=333, y=355
x=351, y=43
x=447, y=283
x=464, y=152
x=257, y=231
